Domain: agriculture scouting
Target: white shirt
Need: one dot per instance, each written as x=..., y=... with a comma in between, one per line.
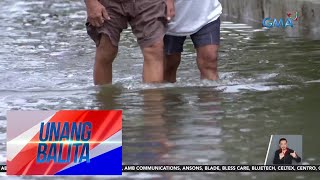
x=192, y=15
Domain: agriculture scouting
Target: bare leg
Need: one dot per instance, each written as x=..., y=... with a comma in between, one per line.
x=207, y=60
x=153, y=67
x=105, y=54
x=171, y=66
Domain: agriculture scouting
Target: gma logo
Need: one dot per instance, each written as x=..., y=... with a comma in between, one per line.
x=270, y=23
x=282, y=23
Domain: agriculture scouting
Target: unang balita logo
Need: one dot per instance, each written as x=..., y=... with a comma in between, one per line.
x=269, y=22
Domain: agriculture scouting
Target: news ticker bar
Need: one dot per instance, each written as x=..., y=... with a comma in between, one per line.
x=220, y=168
x=213, y=168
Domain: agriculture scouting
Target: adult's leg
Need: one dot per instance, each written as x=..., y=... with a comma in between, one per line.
x=106, y=52
x=207, y=61
x=106, y=39
x=153, y=66
x=149, y=26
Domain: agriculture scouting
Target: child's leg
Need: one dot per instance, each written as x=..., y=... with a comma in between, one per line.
x=172, y=63
x=173, y=49
x=207, y=41
x=149, y=26
x=207, y=60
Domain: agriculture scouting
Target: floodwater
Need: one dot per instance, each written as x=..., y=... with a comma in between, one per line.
x=270, y=84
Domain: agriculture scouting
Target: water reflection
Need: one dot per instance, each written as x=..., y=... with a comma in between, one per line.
x=107, y=97
x=176, y=124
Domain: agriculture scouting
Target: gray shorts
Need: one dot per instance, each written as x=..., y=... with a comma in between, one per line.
x=207, y=35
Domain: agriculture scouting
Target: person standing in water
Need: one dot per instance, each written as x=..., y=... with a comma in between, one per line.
x=148, y=19
x=201, y=21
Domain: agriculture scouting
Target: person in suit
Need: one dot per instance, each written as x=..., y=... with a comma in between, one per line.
x=284, y=155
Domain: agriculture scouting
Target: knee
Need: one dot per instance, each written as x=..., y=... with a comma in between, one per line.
x=154, y=51
x=207, y=61
x=106, y=52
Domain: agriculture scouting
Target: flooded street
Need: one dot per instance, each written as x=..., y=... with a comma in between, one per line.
x=269, y=84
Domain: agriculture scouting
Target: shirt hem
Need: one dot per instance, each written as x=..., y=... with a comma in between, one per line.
x=195, y=31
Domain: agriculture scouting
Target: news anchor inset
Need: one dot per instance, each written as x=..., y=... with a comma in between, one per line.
x=284, y=155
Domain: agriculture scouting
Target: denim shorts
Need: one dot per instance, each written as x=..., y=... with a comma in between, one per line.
x=207, y=35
